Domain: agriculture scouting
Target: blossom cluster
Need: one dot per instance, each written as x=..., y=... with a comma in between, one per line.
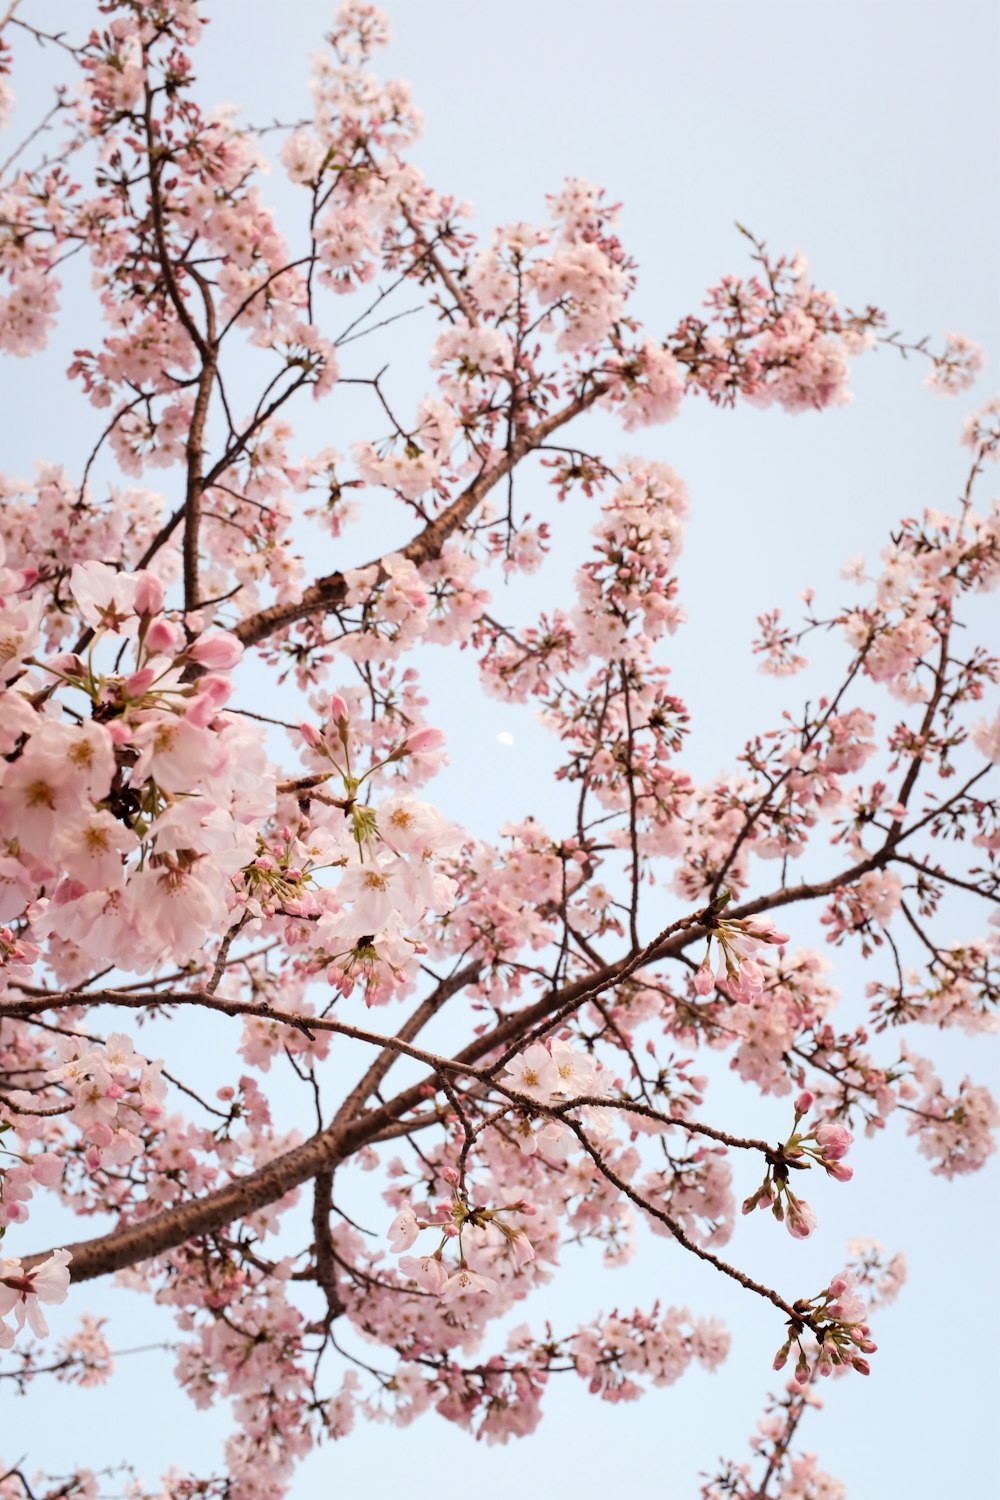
x=329, y=975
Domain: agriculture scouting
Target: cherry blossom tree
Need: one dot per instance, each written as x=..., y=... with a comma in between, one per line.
x=214, y=753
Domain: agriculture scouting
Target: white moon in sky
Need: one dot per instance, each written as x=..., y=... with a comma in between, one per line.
x=505, y=738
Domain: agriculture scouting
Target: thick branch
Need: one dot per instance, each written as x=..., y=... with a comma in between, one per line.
x=350, y=1131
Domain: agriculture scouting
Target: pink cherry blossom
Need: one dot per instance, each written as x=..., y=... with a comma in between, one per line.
x=466, y=1283
x=404, y=1229
x=22, y=1292
x=534, y=1073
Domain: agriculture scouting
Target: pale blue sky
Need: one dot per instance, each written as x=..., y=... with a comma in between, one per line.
x=864, y=134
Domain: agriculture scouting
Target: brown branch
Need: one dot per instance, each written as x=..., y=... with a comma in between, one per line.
x=329, y=592
x=326, y=1266
x=797, y=1318
x=350, y=1130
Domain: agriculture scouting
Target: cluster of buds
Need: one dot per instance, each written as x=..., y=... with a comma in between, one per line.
x=333, y=744
x=737, y=973
x=843, y=1336
x=826, y=1144
x=325, y=742
x=273, y=882
x=456, y=1218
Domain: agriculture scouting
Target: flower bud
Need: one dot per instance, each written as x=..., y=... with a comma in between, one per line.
x=801, y=1220
x=421, y=740
x=216, y=649
x=213, y=690
x=834, y=1139
x=67, y=663
x=164, y=638
x=148, y=594
x=704, y=980
x=138, y=683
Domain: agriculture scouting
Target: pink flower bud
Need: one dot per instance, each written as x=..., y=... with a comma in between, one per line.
x=422, y=740
x=834, y=1139
x=215, y=686
x=216, y=649
x=704, y=980
x=839, y=1171
x=164, y=637
x=338, y=708
x=212, y=693
x=801, y=1220
x=148, y=594
x=861, y=1365
x=68, y=663
x=311, y=735
x=138, y=683
x=774, y=937
x=804, y=1102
